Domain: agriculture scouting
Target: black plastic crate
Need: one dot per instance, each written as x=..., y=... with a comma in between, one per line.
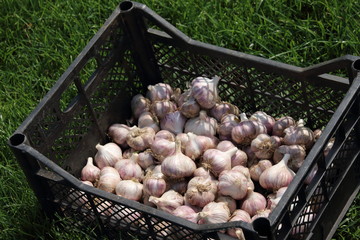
x=135, y=48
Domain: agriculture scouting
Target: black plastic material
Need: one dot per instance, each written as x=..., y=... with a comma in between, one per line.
x=135, y=48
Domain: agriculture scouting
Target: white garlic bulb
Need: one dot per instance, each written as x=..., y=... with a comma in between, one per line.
x=90, y=172
x=178, y=165
x=107, y=155
x=277, y=176
x=201, y=191
x=130, y=189
x=233, y=183
x=109, y=178
x=214, y=212
x=118, y=132
x=201, y=125
x=169, y=201
x=140, y=138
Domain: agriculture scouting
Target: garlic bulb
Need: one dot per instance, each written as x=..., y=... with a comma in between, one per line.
x=297, y=155
x=205, y=91
x=257, y=169
x=217, y=161
x=109, y=178
x=203, y=172
x=240, y=158
x=227, y=123
x=178, y=185
x=274, y=200
x=222, y=109
x=233, y=183
x=168, y=202
x=90, y=172
x=281, y=124
x=253, y=202
x=161, y=108
x=201, y=125
x=244, y=132
x=139, y=104
x=264, y=146
x=246, y=172
x=317, y=134
x=183, y=97
x=159, y=91
x=229, y=200
x=277, y=176
x=165, y=134
x=238, y=215
x=214, y=212
x=128, y=153
x=311, y=175
x=197, y=145
x=145, y=159
x=265, y=119
x=130, y=189
x=178, y=165
x=328, y=146
x=154, y=184
x=162, y=148
x=299, y=135
x=129, y=169
x=200, y=191
x=173, y=122
x=190, y=108
x=107, y=155
x=140, y=138
x=147, y=119
x=183, y=138
x=118, y=132
x=187, y=213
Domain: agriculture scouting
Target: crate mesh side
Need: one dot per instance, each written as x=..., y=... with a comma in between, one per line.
x=249, y=88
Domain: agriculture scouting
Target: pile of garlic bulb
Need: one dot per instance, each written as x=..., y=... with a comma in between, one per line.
x=199, y=158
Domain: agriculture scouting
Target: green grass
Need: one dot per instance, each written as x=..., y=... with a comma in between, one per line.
x=39, y=39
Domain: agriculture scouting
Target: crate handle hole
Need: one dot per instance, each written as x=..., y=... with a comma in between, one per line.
x=356, y=65
x=126, y=5
x=262, y=226
x=17, y=139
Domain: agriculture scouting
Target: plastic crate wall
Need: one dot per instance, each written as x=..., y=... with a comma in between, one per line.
x=135, y=48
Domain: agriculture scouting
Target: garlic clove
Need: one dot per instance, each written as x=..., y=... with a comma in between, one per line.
x=107, y=155
x=90, y=172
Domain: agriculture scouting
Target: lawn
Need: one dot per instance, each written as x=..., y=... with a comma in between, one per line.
x=40, y=39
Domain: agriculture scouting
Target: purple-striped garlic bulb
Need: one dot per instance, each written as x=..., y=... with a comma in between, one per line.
x=90, y=172
x=109, y=178
x=198, y=144
x=217, y=161
x=253, y=202
x=265, y=119
x=147, y=119
x=233, y=183
x=205, y=91
x=297, y=155
x=190, y=108
x=140, y=138
x=169, y=201
x=214, y=212
x=247, y=130
x=130, y=189
x=139, y=104
x=238, y=215
x=223, y=108
x=200, y=191
x=159, y=92
x=299, y=135
x=129, y=168
x=227, y=123
x=118, y=132
x=257, y=169
x=161, y=108
x=173, y=122
x=281, y=124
